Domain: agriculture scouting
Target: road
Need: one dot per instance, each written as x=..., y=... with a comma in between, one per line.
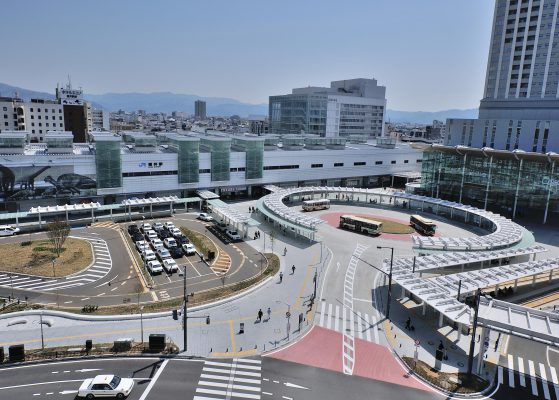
x=155, y=379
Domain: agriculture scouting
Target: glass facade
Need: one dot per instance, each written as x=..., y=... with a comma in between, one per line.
x=188, y=151
x=511, y=184
x=298, y=113
x=108, y=164
x=220, y=149
x=254, y=149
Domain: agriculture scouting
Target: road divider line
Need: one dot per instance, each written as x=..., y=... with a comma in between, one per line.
x=155, y=378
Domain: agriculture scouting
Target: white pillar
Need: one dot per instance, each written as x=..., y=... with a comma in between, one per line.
x=463, y=175
x=40, y=222
x=548, y=193
x=403, y=292
x=92, y=216
x=482, y=348
x=534, y=280
x=517, y=188
x=488, y=185
x=496, y=289
x=17, y=221
x=458, y=331
x=441, y=319
x=515, y=283
x=66, y=215
x=151, y=210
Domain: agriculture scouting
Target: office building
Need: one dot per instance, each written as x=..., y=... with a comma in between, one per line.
x=77, y=112
x=100, y=120
x=258, y=124
x=111, y=168
x=36, y=116
x=200, y=109
x=348, y=107
x=520, y=107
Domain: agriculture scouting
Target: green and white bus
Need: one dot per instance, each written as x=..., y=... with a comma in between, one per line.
x=423, y=225
x=360, y=225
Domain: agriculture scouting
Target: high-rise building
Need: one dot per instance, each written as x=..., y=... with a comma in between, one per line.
x=348, y=107
x=200, y=109
x=520, y=107
x=77, y=112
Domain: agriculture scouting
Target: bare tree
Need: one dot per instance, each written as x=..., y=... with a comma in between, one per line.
x=57, y=232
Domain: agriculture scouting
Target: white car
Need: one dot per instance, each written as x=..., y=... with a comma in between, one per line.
x=170, y=242
x=145, y=227
x=154, y=267
x=170, y=265
x=189, y=249
x=176, y=232
x=148, y=255
x=163, y=253
x=205, y=217
x=169, y=225
x=141, y=245
x=232, y=234
x=157, y=244
x=8, y=230
x=106, y=386
x=151, y=235
x=157, y=226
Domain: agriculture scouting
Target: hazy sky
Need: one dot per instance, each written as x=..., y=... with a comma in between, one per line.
x=430, y=54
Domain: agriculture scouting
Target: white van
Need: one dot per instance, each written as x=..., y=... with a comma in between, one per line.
x=8, y=230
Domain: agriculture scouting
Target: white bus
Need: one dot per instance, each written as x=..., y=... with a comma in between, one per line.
x=424, y=225
x=313, y=205
x=360, y=225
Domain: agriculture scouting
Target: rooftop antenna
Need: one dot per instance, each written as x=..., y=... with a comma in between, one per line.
x=69, y=82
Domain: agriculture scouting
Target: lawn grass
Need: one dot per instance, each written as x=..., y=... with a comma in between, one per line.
x=35, y=258
x=202, y=243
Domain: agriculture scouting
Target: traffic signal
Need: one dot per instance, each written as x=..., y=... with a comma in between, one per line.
x=175, y=315
x=208, y=320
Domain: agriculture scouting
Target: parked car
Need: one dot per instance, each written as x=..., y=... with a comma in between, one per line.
x=205, y=217
x=175, y=232
x=151, y=235
x=169, y=225
x=163, y=253
x=170, y=265
x=154, y=267
x=164, y=234
x=233, y=234
x=136, y=236
x=189, y=249
x=106, y=386
x=157, y=226
x=222, y=226
x=182, y=240
x=148, y=255
x=132, y=229
x=170, y=242
x=176, y=252
x=145, y=227
x=8, y=230
x=141, y=244
x=156, y=244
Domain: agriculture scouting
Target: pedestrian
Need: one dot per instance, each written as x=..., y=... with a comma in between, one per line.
x=293, y=270
x=281, y=277
x=269, y=312
x=408, y=324
x=260, y=314
x=284, y=251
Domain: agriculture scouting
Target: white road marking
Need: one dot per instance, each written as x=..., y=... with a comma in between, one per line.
x=368, y=331
x=329, y=321
x=227, y=378
x=322, y=310
x=294, y=386
x=154, y=296
x=85, y=298
x=532, y=370
x=359, y=325
x=268, y=393
x=521, y=376
x=40, y=383
x=155, y=378
x=227, y=393
x=500, y=375
x=554, y=380
x=375, y=329
x=337, y=321
x=229, y=386
x=544, y=382
x=511, y=370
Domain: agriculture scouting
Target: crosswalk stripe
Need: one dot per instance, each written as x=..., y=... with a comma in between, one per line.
x=226, y=393
x=532, y=371
x=511, y=370
x=221, y=364
x=247, y=360
x=500, y=375
x=329, y=320
x=228, y=385
x=351, y=323
x=322, y=309
x=554, y=380
x=228, y=378
x=337, y=321
x=521, y=375
x=344, y=322
x=237, y=372
x=544, y=382
x=359, y=325
x=375, y=329
x=368, y=331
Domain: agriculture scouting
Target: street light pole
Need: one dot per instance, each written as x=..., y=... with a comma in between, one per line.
x=42, y=337
x=474, y=328
x=142, y=324
x=389, y=279
x=184, y=308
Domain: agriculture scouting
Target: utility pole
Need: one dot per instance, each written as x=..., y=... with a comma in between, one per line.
x=389, y=279
x=474, y=328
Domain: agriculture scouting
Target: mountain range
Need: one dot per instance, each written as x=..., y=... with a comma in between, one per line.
x=215, y=106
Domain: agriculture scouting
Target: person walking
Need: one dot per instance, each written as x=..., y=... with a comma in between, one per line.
x=269, y=312
x=284, y=251
x=281, y=277
x=260, y=314
x=408, y=324
x=293, y=270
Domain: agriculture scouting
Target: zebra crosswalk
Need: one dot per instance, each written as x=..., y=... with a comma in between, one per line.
x=342, y=319
x=534, y=378
x=106, y=224
x=236, y=378
x=101, y=267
